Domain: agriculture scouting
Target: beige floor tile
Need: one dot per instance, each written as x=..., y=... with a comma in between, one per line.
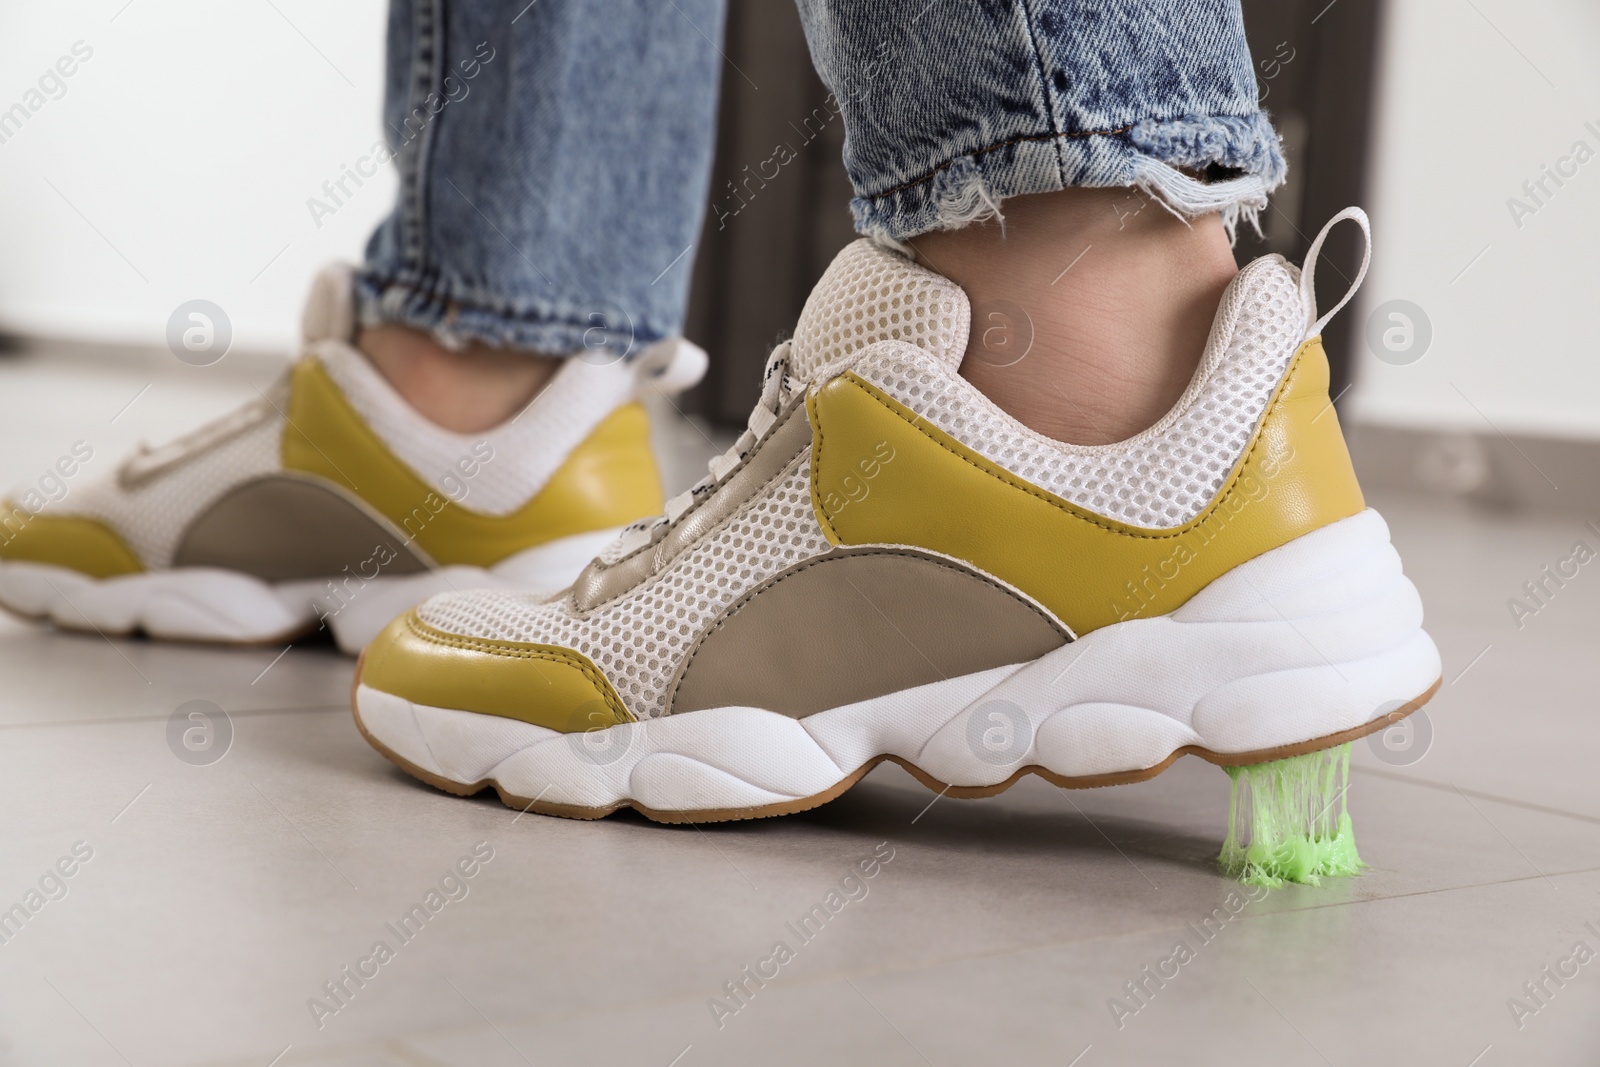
x=226, y=895
x=1519, y=715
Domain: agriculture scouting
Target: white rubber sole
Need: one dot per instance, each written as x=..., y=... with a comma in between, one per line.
x=1302, y=648
x=215, y=606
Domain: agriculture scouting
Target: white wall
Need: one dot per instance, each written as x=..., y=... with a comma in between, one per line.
x=1476, y=96
x=191, y=139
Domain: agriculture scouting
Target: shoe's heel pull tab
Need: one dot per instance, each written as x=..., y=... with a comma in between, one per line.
x=330, y=311
x=1308, y=273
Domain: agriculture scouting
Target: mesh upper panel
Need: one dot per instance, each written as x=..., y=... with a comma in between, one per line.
x=639, y=639
x=152, y=515
x=869, y=294
x=1160, y=478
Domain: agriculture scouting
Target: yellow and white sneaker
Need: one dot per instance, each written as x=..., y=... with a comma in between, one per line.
x=888, y=566
x=329, y=501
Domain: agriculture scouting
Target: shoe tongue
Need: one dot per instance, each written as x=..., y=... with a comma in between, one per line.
x=871, y=294
x=330, y=311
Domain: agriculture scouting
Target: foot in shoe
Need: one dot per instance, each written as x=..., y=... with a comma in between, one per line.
x=888, y=566
x=330, y=501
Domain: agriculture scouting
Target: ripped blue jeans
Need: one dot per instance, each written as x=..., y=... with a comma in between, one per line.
x=554, y=156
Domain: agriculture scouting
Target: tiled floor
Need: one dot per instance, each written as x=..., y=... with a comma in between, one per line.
x=219, y=899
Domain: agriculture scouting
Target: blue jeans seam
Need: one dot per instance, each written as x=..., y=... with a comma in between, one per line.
x=1045, y=92
x=428, y=302
x=436, y=290
x=428, y=50
x=1008, y=142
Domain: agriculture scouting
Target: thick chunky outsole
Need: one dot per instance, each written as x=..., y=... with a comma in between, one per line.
x=1306, y=647
x=212, y=606
x=792, y=807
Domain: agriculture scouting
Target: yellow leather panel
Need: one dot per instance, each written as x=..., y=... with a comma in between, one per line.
x=545, y=685
x=609, y=480
x=882, y=475
x=85, y=545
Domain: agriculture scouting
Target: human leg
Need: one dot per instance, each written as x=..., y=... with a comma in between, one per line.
x=1075, y=167
x=553, y=161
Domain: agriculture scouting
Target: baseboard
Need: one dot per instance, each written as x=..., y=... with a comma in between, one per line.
x=1518, y=471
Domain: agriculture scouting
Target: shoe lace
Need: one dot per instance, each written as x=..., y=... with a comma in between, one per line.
x=147, y=462
x=777, y=388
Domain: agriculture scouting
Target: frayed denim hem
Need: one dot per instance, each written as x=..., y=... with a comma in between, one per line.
x=1150, y=155
x=456, y=321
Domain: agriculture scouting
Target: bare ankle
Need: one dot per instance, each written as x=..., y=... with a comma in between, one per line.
x=465, y=391
x=1091, y=307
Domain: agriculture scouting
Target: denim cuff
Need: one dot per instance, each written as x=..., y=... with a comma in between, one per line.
x=455, y=318
x=1151, y=155
x=950, y=108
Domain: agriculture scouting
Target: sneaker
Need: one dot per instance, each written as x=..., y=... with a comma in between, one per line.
x=328, y=501
x=888, y=566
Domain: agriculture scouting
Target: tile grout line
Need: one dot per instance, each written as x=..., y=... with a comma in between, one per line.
x=1526, y=805
x=248, y=713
